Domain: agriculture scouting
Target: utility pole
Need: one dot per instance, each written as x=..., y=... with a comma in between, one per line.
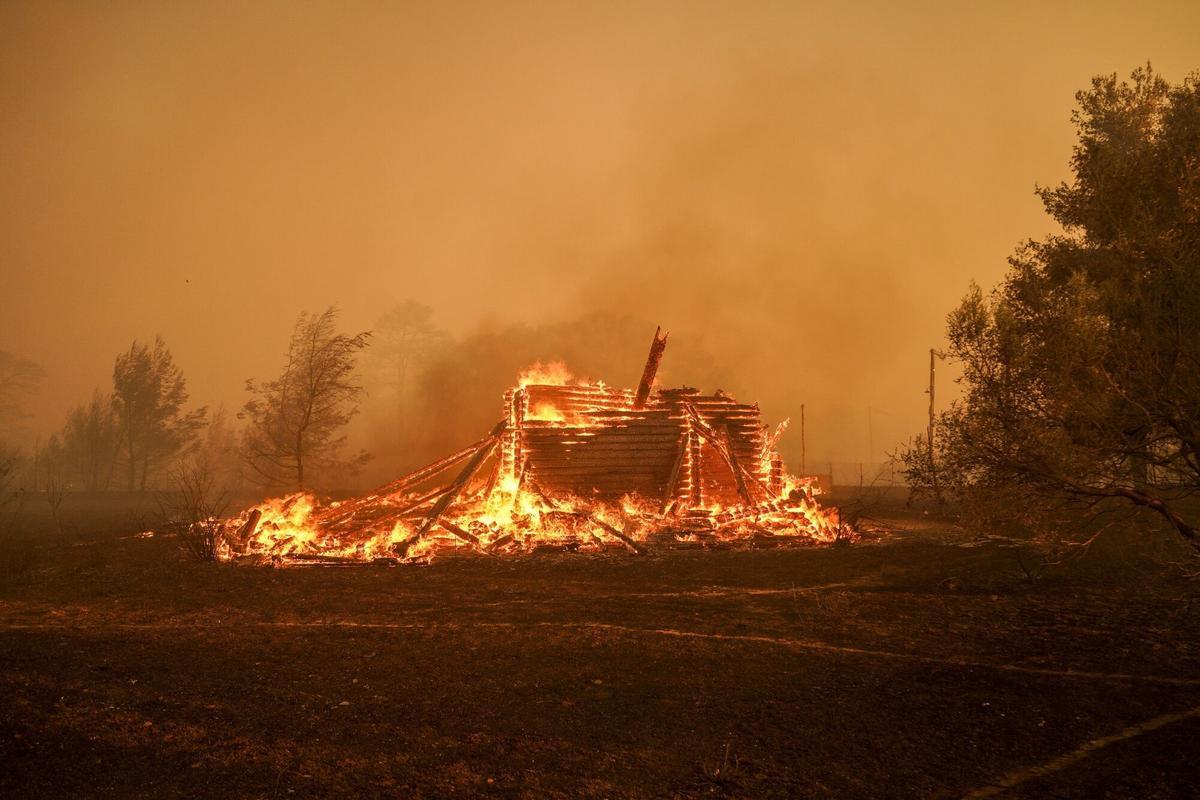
x=870, y=435
x=803, y=449
x=932, y=373
x=933, y=356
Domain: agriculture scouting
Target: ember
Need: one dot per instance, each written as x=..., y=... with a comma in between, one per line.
x=573, y=465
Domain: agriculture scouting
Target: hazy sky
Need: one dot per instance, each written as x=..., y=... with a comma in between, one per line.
x=809, y=187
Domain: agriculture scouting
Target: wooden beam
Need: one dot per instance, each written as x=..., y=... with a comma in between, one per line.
x=386, y=516
x=673, y=483
x=460, y=482
x=651, y=369
x=347, y=510
x=247, y=530
x=721, y=445
x=461, y=533
x=630, y=543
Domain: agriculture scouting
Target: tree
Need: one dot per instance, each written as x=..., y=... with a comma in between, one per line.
x=19, y=379
x=198, y=489
x=149, y=393
x=89, y=443
x=218, y=452
x=11, y=495
x=1081, y=371
x=294, y=421
x=406, y=342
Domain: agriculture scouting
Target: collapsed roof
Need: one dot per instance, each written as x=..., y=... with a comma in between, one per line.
x=571, y=464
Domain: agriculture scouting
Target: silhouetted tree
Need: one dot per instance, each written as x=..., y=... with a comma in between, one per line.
x=406, y=341
x=219, y=451
x=294, y=422
x=149, y=392
x=1081, y=371
x=89, y=443
x=19, y=380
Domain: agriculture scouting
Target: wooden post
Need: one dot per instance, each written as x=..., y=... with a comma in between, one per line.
x=937, y=491
x=652, y=361
x=696, y=458
x=870, y=434
x=932, y=372
x=730, y=457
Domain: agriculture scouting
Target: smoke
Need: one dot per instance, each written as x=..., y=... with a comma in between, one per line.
x=798, y=193
x=771, y=262
x=459, y=395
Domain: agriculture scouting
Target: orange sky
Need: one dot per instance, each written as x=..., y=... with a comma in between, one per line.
x=807, y=188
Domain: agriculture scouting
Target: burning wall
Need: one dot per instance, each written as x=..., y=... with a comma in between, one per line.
x=571, y=464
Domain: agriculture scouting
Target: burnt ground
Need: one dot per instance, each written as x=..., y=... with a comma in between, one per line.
x=908, y=666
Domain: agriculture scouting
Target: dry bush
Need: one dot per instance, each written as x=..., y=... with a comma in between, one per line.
x=193, y=509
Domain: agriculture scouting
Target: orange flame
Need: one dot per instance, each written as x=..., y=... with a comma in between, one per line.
x=554, y=373
x=506, y=514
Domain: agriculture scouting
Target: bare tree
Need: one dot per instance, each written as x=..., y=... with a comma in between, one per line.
x=193, y=506
x=219, y=447
x=149, y=393
x=56, y=491
x=295, y=422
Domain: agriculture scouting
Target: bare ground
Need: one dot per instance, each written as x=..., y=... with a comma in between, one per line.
x=908, y=666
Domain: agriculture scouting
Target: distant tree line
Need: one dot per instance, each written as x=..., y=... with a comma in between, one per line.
x=141, y=434
x=430, y=393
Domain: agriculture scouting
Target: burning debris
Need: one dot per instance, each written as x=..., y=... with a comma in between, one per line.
x=573, y=465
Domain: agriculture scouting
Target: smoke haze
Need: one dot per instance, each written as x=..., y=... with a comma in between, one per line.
x=798, y=192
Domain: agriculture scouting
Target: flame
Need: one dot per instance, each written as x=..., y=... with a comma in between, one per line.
x=554, y=373
x=512, y=518
x=504, y=513
x=546, y=412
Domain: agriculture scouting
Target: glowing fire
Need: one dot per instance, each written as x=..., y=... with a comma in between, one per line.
x=712, y=496
x=511, y=519
x=554, y=373
x=546, y=412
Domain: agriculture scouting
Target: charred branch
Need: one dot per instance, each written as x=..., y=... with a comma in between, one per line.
x=651, y=369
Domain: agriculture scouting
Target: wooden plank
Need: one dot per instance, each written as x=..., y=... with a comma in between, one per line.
x=709, y=435
x=461, y=533
x=348, y=509
x=460, y=482
x=673, y=481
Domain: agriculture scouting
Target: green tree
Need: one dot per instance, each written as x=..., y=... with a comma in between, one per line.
x=1081, y=371
x=149, y=394
x=295, y=422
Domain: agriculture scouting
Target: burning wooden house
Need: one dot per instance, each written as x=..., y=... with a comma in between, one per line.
x=571, y=464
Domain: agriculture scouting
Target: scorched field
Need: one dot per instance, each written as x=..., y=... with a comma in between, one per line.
x=908, y=665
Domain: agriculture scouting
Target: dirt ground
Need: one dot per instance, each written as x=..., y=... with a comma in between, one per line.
x=914, y=664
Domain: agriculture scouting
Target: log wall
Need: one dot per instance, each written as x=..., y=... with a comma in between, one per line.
x=605, y=448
